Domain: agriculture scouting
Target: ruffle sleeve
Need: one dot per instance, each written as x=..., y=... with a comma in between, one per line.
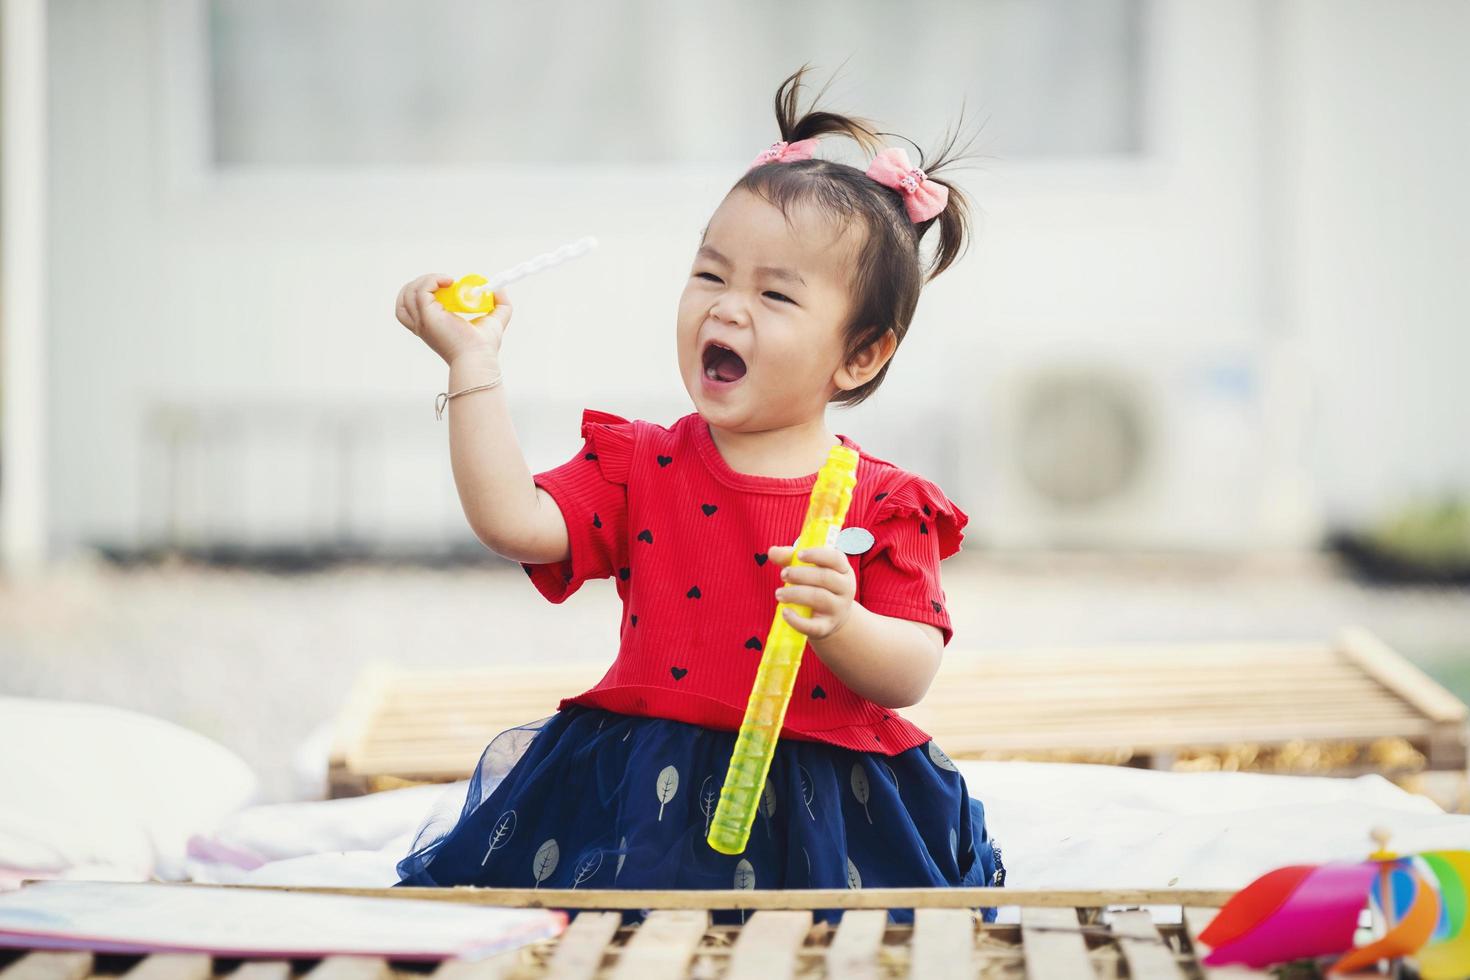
x=591, y=490
x=915, y=527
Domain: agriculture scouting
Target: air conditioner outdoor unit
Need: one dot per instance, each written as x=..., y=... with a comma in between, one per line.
x=1161, y=451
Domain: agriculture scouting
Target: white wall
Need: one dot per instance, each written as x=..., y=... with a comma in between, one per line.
x=172, y=284
x=23, y=514
x=1377, y=121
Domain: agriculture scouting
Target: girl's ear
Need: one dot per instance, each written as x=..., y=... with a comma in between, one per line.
x=863, y=366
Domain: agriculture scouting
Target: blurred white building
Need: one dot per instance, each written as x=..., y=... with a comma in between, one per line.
x=1216, y=298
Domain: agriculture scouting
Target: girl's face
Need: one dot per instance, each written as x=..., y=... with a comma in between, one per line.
x=760, y=321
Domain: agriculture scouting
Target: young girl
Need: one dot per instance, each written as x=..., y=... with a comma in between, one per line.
x=804, y=284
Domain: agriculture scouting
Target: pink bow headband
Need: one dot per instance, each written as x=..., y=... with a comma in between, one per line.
x=784, y=152
x=922, y=197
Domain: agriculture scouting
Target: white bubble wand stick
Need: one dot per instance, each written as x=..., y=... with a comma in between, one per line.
x=476, y=294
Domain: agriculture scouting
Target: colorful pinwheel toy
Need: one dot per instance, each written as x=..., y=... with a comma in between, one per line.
x=1312, y=910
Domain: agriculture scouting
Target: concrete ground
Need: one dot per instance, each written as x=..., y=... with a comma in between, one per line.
x=261, y=662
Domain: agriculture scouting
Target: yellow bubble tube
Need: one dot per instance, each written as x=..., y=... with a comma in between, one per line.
x=755, y=746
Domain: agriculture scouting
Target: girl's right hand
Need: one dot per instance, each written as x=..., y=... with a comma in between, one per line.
x=447, y=334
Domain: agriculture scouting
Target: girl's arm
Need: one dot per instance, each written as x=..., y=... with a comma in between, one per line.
x=506, y=510
x=889, y=661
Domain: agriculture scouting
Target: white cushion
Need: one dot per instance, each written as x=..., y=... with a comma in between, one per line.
x=355, y=840
x=1065, y=826
x=89, y=790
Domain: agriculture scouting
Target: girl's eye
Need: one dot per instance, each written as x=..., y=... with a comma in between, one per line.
x=709, y=276
x=779, y=296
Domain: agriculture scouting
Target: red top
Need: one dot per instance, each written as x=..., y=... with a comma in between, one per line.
x=685, y=537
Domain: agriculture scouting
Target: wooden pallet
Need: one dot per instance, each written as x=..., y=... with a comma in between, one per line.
x=1341, y=708
x=1061, y=936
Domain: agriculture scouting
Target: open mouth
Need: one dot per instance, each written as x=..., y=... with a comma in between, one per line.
x=722, y=364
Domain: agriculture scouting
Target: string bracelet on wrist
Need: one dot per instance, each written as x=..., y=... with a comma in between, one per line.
x=444, y=396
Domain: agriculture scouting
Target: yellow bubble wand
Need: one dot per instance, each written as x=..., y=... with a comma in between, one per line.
x=755, y=746
x=476, y=294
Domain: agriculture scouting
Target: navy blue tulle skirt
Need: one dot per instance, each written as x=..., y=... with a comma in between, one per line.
x=592, y=799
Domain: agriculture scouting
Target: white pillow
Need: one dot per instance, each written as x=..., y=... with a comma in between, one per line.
x=101, y=792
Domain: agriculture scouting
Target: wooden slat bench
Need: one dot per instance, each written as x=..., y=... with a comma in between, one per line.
x=1341, y=708
x=1061, y=936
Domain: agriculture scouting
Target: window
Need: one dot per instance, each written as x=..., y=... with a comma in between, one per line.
x=388, y=84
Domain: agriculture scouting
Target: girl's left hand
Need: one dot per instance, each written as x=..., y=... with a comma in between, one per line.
x=827, y=585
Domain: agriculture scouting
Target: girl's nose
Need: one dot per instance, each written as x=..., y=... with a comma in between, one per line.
x=730, y=308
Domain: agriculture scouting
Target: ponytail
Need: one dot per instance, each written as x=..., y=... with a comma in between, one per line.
x=954, y=221
x=797, y=125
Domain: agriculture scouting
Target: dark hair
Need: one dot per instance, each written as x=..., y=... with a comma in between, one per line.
x=890, y=270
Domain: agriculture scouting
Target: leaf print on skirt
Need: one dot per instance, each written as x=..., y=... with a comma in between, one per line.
x=768, y=805
x=668, y=785
x=940, y=759
x=891, y=774
x=860, y=787
x=808, y=790
x=709, y=798
x=504, y=828
x=586, y=868
x=544, y=863
x=744, y=880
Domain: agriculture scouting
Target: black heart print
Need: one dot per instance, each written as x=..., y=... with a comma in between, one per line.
x=880, y=496
x=665, y=460
x=818, y=693
x=678, y=673
x=760, y=559
x=937, y=606
x=645, y=535
x=927, y=511
x=590, y=456
x=633, y=619
x=923, y=528
x=624, y=572
x=693, y=593
x=708, y=509
x=596, y=521
x=754, y=643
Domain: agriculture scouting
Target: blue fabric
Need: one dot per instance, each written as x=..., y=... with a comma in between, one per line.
x=592, y=799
